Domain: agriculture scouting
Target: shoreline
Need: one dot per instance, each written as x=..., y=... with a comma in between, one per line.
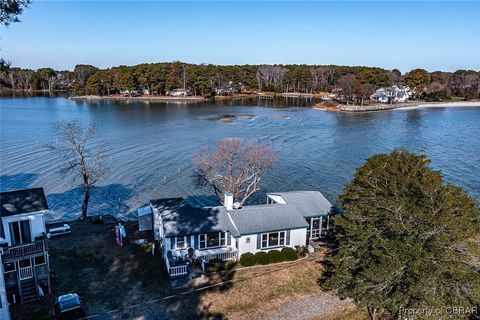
x=140, y=98
x=393, y=107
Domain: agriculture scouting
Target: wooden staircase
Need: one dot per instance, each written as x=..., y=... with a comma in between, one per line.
x=28, y=291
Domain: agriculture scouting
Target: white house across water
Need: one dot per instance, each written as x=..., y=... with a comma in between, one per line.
x=288, y=219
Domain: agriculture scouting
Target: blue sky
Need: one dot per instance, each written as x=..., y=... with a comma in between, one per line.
x=404, y=35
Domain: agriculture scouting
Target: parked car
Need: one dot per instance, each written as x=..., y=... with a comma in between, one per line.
x=68, y=307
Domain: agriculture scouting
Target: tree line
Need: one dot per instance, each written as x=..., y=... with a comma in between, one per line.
x=205, y=79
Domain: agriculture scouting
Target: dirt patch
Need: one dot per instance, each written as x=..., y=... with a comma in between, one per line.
x=275, y=292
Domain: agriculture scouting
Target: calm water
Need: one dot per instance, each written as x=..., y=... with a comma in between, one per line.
x=152, y=145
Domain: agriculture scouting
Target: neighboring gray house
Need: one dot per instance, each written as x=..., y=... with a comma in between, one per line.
x=23, y=239
x=186, y=230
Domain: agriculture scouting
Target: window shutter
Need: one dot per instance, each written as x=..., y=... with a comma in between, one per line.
x=172, y=243
x=195, y=241
x=189, y=241
x=287, y=241
x=229, y=238
x=259, y=240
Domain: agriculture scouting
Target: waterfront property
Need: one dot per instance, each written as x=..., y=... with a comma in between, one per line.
x=193, y=233
x=23, y=240
x=392, y=94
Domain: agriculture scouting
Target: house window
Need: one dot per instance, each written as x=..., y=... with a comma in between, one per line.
x=247, y=240
x=212, y=240
x=20, y=232
x=9, y=267
x=273, y=239
x=180, y=243
x=39, y=260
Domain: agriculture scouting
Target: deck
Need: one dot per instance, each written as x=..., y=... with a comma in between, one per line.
x=24, y=251
x=179, y=267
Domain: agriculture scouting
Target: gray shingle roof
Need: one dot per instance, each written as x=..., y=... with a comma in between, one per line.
x=266, y=217
x=180, y=218
x=22, y=201
x=308, y=203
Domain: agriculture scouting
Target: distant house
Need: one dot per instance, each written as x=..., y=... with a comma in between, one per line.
x=23, y=240
x=392, y=94
x=288, y=219
x=179, y=93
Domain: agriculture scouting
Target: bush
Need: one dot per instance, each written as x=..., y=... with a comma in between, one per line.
x=247, y=259
x=215, y=265
x=289, y=254
x=262, y=258
x=302, y=251
x=229, y=265
x=274, y=256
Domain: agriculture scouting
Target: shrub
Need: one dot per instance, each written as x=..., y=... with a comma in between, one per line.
x=262, y=258
x=274, y=256
x=215, y=265
x=247, y=259
x=289, y=254
x=302, y=251
x=229, y=265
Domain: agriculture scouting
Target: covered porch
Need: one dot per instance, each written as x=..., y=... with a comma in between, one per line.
x=184, y=262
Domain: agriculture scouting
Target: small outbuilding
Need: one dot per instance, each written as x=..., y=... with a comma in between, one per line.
x=145, y=222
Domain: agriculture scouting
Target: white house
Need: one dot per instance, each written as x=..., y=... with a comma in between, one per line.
x=23, y=239
x=4, y=311
x=392, y=94
x=186, y=230
x=179, y=93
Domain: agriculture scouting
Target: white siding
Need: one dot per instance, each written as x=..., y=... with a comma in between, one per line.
x=276, y=198
x=298, y=237
x=157, y=225
x=4, y=313
x=145, y=222
x=37, y=224
x=244, y=247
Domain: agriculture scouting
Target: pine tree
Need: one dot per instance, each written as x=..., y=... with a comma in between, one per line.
x=406, y=240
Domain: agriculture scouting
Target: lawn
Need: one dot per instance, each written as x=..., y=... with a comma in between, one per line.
x=106, y=277
x=131, y=283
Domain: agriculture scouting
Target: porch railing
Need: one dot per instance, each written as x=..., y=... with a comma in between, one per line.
x=23, y=250
x=25, y=273
x=176, y=271
x=224, y=256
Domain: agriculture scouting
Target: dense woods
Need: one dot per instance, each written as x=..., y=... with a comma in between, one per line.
x=208, y=80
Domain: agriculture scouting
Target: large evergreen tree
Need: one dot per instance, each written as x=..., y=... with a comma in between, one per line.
x=406, y=240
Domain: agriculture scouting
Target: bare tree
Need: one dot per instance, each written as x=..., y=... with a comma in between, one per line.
x=83, y=155
x=348, y=84
x=323, y=77
x=365, y=91
x=235, y=166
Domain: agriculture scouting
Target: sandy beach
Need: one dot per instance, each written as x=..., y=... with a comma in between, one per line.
x=392, y=107
x=442, y=105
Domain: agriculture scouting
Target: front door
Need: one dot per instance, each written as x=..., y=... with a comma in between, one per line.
x=315, y=227
x=20, y=232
